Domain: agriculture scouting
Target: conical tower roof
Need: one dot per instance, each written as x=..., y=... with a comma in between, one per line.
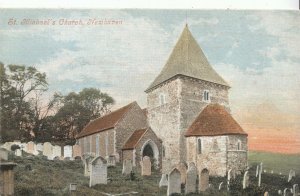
x=188, y=59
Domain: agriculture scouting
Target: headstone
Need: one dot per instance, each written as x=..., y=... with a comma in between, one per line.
x=48, y=150
x=257, y=170
x=220, y=186
x=286, y=191
x=291, y=175
x=203, y=180
x=259, y=174
x=7, y=178
x=295, y=190
x=111, y=161
x=86, y=158
x=246, y=180
x=279, y=192
x=98, y=171
x=3, y=154
x=265, y=171
x=229, y=176
x=191, y=179
x=18, y=152
x=272, y=171
x=146, y=166
x=68, y=151
x=163, y=181
x=174, y=182
x=39, y=147
x=127, y=167
x=30, y=147
x=266, y=194
x=56, y=152
x=76, y=151
x=182, y=168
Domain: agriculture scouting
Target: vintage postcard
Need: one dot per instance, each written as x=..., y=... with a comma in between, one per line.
x=149, y=102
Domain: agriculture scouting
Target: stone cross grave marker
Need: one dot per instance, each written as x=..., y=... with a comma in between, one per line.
x=68, y=151
x=174, y=182
x=76, y=151
x=295, y=190
x=246, y=180
x=146, y=166
x=98, y=173
x=56, y=153
x=86, y=158
x=182, y=168
x=127, y=167
x=204, y=180
x=191, y=179
x=163, y=181
x=291, y=175
x=48, y=150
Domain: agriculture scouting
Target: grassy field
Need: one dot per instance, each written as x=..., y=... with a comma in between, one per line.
x=35, y=175
x=279, y=163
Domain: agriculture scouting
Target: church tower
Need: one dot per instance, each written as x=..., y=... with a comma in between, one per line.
x=184, y=87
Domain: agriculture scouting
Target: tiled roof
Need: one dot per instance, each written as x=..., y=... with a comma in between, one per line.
x=187, y=59
x=105, y=122
x=214, y=120
x=134, y=139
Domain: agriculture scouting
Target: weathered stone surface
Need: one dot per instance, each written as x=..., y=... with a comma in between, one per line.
x=246, y=180
x=30, y=147
x=48, y=150
x=56, y=152
x=18, y=152
x=182, y=168
x=98, y=173
x=40, y=147
x=68, y=151
x=174, y=182
x=127, y=167
x=191, y=178
x=7, y=181
x=3, y=154
x=295, y=189
x=86, y=162
x=146, y=166
x=76, y=151
x=292, y=174
x=163, y=181
x=204, y=180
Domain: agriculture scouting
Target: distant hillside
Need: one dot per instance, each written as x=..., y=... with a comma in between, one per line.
x=276, y=162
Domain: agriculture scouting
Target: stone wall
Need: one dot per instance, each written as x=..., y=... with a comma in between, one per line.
x=237, y=158
x=127, y=154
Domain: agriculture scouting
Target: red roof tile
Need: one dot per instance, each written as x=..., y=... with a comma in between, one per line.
x=134, y=139
x=214, y=120
x=105, y=122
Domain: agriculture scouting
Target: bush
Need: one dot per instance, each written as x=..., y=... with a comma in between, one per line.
x=15, y=147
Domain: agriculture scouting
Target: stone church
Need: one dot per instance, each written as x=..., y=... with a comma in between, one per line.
x=187, y=119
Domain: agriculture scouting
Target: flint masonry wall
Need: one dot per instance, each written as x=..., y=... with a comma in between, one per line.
x=237, y=158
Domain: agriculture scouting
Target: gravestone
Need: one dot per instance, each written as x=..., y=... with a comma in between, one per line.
x=246, y=180
x=257, y=170
x=182, y=168
x=191, y=179
x=98, y=173
x=76, y=151
x=272, y=171
x=204, y=180
x=174, y=182
x=68, y=151
x=18, y=152
x=56, y=152
x=146, y=166
x=111, y=161
x=266, y=194
x=86, y=158
x=292, y=174
x=295, y=190
x=40, y=147
x=127, y=167
x=48, y=150
x=220, y=186
x=286, y=192
x=279, y=192
x=163, y=181
x=259, y=174
x=30, y=147
x=3, y=154
x=229, y=176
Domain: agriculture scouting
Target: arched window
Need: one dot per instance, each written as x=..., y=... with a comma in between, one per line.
x=206, y=96
x=239, y=145
x=199, y=146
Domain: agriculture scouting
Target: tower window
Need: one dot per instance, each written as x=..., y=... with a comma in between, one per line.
x=162, y=99
x=239, y=145
x=206, y=96
x=199, y=146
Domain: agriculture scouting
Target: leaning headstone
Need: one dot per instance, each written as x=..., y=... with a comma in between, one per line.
x=18, y=152
x=204, y=180
x=191, y=179
x=39, y=147
x=127, y=167
x=3, y=154
x=182, y=169
x=146, y=166
x=68, y=151
x=220, y=186
x=163, y=181
x=111, y=161
x=48, y=150
x=174, y=182
x=56, y=152
x=291, y=175
x=76, y=151
x=266, y=194
x=295, y=190
x=87, y=166
x=98, y=171
x=246, y=180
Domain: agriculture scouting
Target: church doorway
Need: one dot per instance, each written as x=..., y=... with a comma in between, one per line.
x=150, y=149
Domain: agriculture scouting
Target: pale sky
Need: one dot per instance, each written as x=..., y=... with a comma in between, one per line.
x=256, y=52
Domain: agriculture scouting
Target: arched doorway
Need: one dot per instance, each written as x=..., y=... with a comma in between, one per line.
x=150, y=149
